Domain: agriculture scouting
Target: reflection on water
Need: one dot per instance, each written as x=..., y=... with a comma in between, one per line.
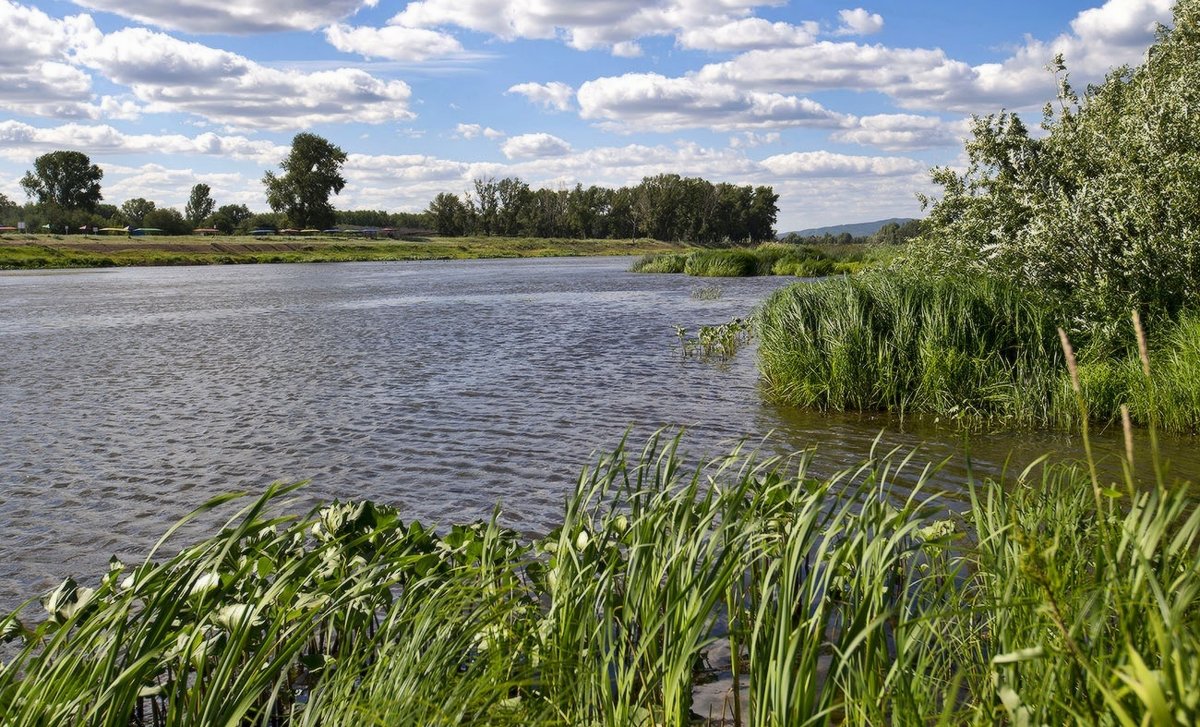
x=129, y=397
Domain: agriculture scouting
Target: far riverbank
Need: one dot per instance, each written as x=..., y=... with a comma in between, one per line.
x=22, y=252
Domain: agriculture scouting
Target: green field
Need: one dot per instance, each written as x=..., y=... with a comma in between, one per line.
x=20, y=252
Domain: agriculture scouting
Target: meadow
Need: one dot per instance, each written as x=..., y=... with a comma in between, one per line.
x=19, y=252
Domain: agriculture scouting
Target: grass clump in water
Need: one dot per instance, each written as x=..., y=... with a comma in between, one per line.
x=659, y=263
x=849, y=600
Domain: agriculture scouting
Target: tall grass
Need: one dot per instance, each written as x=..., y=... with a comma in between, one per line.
x=769, y=258
x=1052, y=599
x=971, y=351
x=977, y=349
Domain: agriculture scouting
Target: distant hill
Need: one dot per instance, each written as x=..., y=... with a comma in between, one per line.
x=857, y=229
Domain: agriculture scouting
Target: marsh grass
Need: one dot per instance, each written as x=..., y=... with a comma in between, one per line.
x=769, y=258
x=1053, y=598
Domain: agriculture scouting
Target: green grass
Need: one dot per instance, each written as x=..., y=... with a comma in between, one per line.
x=49, y=252
x=769, y=258
x=971, y=351
x=1054, y=598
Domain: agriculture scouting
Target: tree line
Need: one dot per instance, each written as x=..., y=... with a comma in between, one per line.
x=665, y=207
x=65, y=196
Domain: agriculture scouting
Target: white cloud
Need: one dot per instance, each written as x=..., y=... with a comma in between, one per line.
x=222, y=16
x=859, y=22
x=554, y=95
x=22, y=142
x=918, y=78
x=648, y=101
x=169, y=187
x=472, y=131
x=604, y=24
x=750, y=139
x=901, y=132
x=535, y=146
x=626, y=49
x=170, y=75
x=36, y=77
x=829, y=164
x=392, y=42
x=748, y=34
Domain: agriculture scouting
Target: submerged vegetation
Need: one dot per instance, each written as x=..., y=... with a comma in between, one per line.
x=855, y=599
x=1097, y=218
x=770, y=258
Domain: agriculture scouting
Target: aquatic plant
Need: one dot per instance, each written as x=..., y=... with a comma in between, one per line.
x=862, y=598
x=721, y=340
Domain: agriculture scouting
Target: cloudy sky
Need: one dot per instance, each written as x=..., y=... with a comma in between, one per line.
x=842, y=108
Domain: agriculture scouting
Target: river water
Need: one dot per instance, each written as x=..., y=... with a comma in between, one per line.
x=130, y=396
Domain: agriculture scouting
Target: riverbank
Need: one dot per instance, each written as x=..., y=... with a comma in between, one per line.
x=841, y=603
x=23, y=252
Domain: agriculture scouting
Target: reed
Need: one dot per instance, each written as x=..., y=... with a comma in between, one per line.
x=855, y=599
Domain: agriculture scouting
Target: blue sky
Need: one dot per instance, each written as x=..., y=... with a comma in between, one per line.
x=841, y=107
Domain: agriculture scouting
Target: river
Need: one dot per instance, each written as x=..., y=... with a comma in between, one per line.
x=130, y=396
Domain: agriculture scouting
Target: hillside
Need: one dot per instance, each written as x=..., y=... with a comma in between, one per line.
x=857, y=229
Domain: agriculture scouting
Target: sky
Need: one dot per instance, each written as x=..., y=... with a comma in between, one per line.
x=841, y=107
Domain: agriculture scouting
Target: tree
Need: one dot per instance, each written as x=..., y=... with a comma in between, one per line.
x=228, y=217
x=136, y=210
x=450, y=215
x=311, y=172
x=67, y=179
x=168, y=220
x=200, y=204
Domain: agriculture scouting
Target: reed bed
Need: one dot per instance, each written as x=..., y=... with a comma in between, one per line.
x=1050, y=599
x=976, y=352
x=769, y=258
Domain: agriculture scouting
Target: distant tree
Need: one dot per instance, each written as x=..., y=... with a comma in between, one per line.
x=110, y=213
x=485, y=207
x=67, y=179
x=135, y=211
x=228, y=217
x=311, y=172
x=450, y=215
x=169, y=220
x=7, y=207
x=200, y=204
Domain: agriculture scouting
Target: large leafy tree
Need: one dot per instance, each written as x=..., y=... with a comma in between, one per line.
x=136, y=210
x=200, y=204
x=67, y=179
x=311, y=173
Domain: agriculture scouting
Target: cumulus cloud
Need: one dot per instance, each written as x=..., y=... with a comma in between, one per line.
x=607, y=24
x=829, y=164
x=535, y=146
x=901, y=132
x=22, y=142
x=554, y=95
x=472, y=131
x=392, y=42
x=648, y=101
x=222, y=16
x=919, y=78
x=750, y=139
x=748, y=34
x=859, y=22
x=171, y=75
x=36, y=76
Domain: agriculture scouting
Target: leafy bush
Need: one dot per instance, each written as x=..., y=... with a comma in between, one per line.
x=1102, y=213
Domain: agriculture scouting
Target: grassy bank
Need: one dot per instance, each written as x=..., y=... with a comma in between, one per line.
x=844, y=600
x=769, y=258
x=978, y=351
x=49, y=251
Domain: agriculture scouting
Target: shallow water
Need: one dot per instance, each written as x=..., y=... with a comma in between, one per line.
x=128, y=397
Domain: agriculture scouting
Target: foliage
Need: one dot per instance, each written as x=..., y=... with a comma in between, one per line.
x=200, y=204
x=311, y=172
x=1053, y=599
x=67, y=179
x=942, y=346
x=135, y=210
x=169, y=220
x=722, y=340
x=665, y=207
x=769, y=258
x=228, y=217
x=664, y=262
x=1103, y=212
